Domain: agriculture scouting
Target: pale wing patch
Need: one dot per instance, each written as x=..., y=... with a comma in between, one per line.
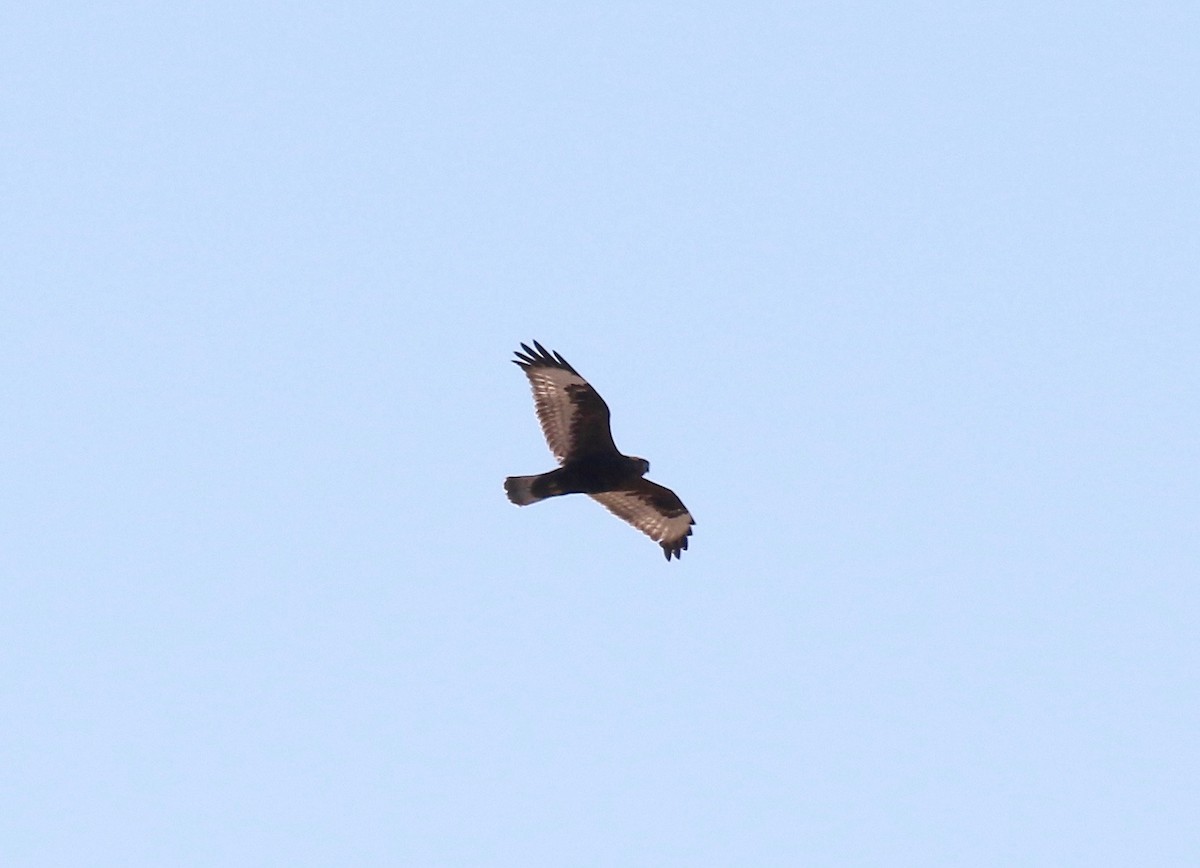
x=555, y=410
x=668, y=525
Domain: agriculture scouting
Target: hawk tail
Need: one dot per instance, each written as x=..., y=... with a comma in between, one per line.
x=520, y=490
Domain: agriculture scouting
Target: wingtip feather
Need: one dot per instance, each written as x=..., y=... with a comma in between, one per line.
x=528, y=357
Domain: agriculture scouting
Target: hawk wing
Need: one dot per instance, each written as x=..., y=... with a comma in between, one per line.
x=573, y=416
x=654, y=510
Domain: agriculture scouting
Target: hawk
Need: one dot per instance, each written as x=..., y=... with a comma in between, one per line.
x=574, y=419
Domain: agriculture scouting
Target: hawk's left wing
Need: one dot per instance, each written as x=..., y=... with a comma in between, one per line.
x=654, y=510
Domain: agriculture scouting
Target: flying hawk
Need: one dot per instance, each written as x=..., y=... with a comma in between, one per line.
x=574, y=419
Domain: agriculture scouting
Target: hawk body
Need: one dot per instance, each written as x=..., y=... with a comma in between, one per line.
x=575, y=422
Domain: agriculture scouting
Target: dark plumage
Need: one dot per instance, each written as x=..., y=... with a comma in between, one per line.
x=575, y=421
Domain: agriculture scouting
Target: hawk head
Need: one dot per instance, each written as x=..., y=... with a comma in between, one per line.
x=643, y=466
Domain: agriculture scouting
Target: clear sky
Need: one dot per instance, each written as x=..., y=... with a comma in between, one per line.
x=901, y=299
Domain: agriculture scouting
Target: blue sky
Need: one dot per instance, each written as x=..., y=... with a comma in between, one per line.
x=899, y=297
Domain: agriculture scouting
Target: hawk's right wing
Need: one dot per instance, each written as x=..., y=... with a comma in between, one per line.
x=573, y=416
